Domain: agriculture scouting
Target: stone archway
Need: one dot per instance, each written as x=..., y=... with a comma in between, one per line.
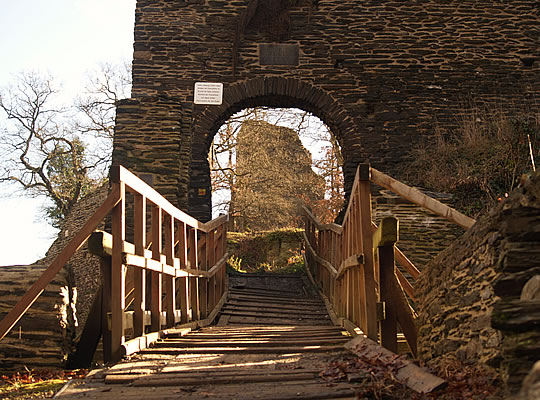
x=272, y=92
x=383, y=75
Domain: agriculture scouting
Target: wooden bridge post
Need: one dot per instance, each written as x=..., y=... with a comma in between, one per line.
x=106, y=267
x=385, y=238
x=139, y=277
x=183, y=283
x=170, y=287
x=156, y=281
x=211, y=250
x=367, y=241
x=202, y=245
x=193, y=281
x=118, y=275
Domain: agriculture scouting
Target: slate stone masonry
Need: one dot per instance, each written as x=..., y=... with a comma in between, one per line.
x=380, y=74
x=470, y=300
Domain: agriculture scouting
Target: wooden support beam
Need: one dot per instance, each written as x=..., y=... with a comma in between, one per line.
x=139, y=274
x=364, y=191
x=408, y=373
x=389, y=323
x=118, y=275
x=402, y=258
x=156, y=291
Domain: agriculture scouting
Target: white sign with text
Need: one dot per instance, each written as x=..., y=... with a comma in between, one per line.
x=208, y=93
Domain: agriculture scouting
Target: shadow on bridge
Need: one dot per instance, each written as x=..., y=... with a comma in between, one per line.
x=164, y=286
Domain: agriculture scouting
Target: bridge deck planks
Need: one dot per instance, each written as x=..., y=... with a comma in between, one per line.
x=260, y=352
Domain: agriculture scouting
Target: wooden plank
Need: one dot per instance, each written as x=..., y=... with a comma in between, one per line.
x=405, y=284
x=404, y=313
x=276, y=306
x=241, y=350
x=118, y=276
x=408, y=373
x=277, y=335
x=364, y=192
x=248, y=342
x=407, y=264
x=48, y=275
x=142, y=342
x=421, y=199
x=389, y=323
x=156, y=290
x=139, y=275
x=275, y=300
x=167, y=380
x=300, y=316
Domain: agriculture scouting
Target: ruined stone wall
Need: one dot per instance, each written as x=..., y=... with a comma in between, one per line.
x=381, y=74
x=486, y=269
x=47, y=333
x=274, y=179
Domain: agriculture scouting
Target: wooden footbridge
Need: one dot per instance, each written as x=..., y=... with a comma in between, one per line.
x=171, y=325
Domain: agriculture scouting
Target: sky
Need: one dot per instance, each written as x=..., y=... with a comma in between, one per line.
x=66, y=39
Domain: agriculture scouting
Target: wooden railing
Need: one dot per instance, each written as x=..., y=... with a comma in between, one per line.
x=171, y=270
x=354, y=263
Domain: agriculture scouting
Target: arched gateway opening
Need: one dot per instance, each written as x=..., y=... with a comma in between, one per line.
x=278, y=93
x=381, y=76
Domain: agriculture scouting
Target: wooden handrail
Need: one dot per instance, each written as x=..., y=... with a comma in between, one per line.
x=421, y=199
x=187, y=258
x=61, y=259
x=351, y=287
x=135, y=184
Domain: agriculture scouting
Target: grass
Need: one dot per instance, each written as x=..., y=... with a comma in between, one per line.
x=277, y=251
x=481, y=161
x=35, y=384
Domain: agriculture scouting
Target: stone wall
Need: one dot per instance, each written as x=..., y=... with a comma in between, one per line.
x=380, y=74
x=422, y=234
x=459, y=289
x=273, y=179
x=47, y=333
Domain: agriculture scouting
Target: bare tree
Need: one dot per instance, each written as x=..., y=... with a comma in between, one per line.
x=97, y=105
x=54, y=151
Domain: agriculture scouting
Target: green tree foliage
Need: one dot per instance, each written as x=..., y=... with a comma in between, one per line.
x=68, y=176
x=482, y=161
